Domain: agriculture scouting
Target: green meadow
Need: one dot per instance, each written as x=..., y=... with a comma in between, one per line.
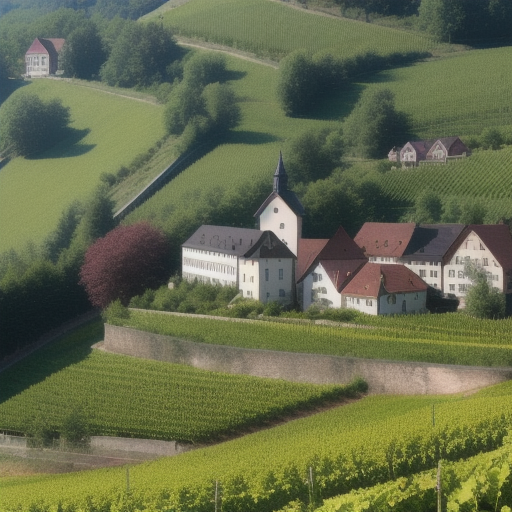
x=110, y=131
x=270, y=29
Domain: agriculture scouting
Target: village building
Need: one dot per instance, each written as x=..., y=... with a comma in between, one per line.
x=42, y=58
x=487, y=247
x=256, y=262
x=322, y=282
x=386, y=289
x=414, y=153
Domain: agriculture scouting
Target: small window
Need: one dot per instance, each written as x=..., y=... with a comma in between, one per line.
x=266, y=274
x=251, y=279
x=319, y=277
x=281, y=226
x=460, y=274
x=243, y=280
x=485, y=262
x=423, y=273
x=358, y=301
x=433, y=273
x=276, y=210
x=268, y=295
x=315, y=277
x=282, y=293
x=452, y=287
x=451, y=273
x=392, y=299
x=482, y=248
x=369, y=302
x=281, y=274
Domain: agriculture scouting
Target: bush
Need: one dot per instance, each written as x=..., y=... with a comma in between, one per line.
x=272, y=309
x=29, y=125
x=482, y=299
x=75, y=429
x=124, y=263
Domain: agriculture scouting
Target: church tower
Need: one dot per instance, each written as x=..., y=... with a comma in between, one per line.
x=282, y=211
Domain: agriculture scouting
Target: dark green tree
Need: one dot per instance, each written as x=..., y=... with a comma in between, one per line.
x=204, y=68
x=185, y=102
x=29, y=125
x=140, y=56
x=444, y=19
x=221, y=108
x=472, y=211
x=482, y=299
x=491, y=138
x=297, y=83
x=373, y=125
x=314, y=154
x=428, y=208
x=83, y=52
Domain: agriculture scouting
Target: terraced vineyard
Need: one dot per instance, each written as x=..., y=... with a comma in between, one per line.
x=123, y=396
x=358, y=445
x=270, y=29
x=486, y=344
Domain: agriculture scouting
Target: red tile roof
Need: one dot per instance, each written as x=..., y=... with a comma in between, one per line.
x=307, y=252
x=341, y=247
x=42, y=45
x=384, y=239
x=393, y=278
x=341, y=272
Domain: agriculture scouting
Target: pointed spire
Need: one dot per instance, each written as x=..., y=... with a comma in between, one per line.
x=280, y=176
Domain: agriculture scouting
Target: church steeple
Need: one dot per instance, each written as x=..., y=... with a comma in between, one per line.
x=280, y=177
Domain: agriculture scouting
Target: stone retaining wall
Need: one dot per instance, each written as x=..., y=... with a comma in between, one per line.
x=383, y=377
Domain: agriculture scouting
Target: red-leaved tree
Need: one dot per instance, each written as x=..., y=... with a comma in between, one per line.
x=124, y=263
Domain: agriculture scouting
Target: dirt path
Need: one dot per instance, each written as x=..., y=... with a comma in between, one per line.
x=195, y=43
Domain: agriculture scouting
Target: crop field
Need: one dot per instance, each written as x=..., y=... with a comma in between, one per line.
x=426, y=341
x=358, y=445
x=112, y=130
x=270, y=29
x=485, y=175
x=459, y=94
x=124, y=396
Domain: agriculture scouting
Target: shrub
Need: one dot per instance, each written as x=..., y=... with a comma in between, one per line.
x=75, y=429
x=124, y=263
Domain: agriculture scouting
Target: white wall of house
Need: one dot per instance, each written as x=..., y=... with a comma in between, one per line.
x=431, y=272
x=367, y=305
x=37, y=64
x=403, y=303
x=280, y=218
x=276, y=280
x=474, y=250
x=249, y=282
x=209, y=266
x=318, y=288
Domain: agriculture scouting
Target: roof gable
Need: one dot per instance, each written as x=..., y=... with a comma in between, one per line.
x=498, y=240
x=384, y=239
x=307, y=252
x=341, y=247
x=51, y=46
x=341, y=272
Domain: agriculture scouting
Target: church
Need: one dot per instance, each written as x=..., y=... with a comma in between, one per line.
x=274, y=262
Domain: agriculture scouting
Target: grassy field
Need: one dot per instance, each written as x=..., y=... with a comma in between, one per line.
x=124, y=396
x=269, y=28
x=381, y=438
x=113, y=130
x=431, y=339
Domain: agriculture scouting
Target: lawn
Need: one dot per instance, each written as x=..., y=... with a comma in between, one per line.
x=112, y=129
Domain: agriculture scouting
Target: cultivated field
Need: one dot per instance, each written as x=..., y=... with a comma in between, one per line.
x=361, y=444
x=124, y=396
x=271, y=29
x=112, y=131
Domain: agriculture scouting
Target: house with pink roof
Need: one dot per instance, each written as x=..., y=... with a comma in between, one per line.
x=42, y=58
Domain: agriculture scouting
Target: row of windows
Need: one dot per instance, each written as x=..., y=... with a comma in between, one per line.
x=423, y=273
x=462, y=260
x=208, y=265
x=317, y=277
x=210, y=253
x=34, y=60
x=282, y=293
x=355, y=300
x=205, y=279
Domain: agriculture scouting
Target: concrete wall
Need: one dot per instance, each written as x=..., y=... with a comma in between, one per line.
x=383, y=377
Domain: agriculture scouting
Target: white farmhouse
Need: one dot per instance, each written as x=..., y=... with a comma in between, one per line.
x=256, y=262
x=486, y=246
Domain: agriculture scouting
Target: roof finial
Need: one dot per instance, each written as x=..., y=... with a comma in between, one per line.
x=280, y=176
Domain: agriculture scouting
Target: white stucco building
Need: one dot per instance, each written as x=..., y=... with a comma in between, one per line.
x=42, y=58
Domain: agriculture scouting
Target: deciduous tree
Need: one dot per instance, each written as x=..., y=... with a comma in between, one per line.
x=29, y=125
x=482, y=299
x=124, y=263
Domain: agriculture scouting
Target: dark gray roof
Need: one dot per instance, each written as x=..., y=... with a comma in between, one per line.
x=281, y=190
x=430, y=242
x=240, y=242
